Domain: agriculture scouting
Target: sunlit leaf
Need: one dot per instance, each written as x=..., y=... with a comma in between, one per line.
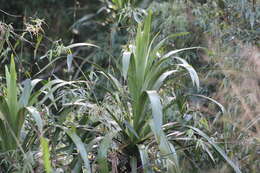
x=80, y=45
x=125, y=63
x=37, y=117
x=165, y=147
x=69, y=61
x=46, y=155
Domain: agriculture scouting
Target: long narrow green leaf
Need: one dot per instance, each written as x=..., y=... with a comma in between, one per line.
x=12, y=94
x=20, y=120
x=193, y=74
x=39, y=39
x=81, y=148
x=102, y=152
x=8, y=142
x=128, y=125
x=4, y=135
x=162, y=78
x=160, y=44
x=153, y=76
x=46, y=155
x=178, y=51
x=114, y=81
x=167, y=56
x=165, y=147
x=156, y=110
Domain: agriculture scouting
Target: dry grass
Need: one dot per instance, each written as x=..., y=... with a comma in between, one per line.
x=239, y=92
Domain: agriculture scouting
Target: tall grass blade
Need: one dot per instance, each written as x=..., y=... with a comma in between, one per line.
x=81, y=148
x=102, y=153
x=12, y=94
x=46, y=155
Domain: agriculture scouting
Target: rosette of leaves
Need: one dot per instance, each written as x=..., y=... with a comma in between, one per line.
x=140, y=118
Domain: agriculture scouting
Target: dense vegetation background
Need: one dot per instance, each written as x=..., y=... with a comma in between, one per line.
x=130, y=86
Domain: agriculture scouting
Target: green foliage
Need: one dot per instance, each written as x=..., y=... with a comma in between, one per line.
x=112, y=96
x=146, y=72
x=13, y=110
x=46, y=155
x=80, y=146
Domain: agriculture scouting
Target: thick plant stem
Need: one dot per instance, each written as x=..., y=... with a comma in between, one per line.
x=133, y=164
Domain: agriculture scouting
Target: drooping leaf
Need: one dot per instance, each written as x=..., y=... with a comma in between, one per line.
x=192, y=72
x=165, y=147
x=162, y=78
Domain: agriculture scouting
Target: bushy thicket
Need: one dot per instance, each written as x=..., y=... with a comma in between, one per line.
x=129, y=86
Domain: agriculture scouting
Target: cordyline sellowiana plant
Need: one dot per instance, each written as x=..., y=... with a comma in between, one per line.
x=15, y=103
x=141, y=118
x=145, y=73
x=12, y=110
